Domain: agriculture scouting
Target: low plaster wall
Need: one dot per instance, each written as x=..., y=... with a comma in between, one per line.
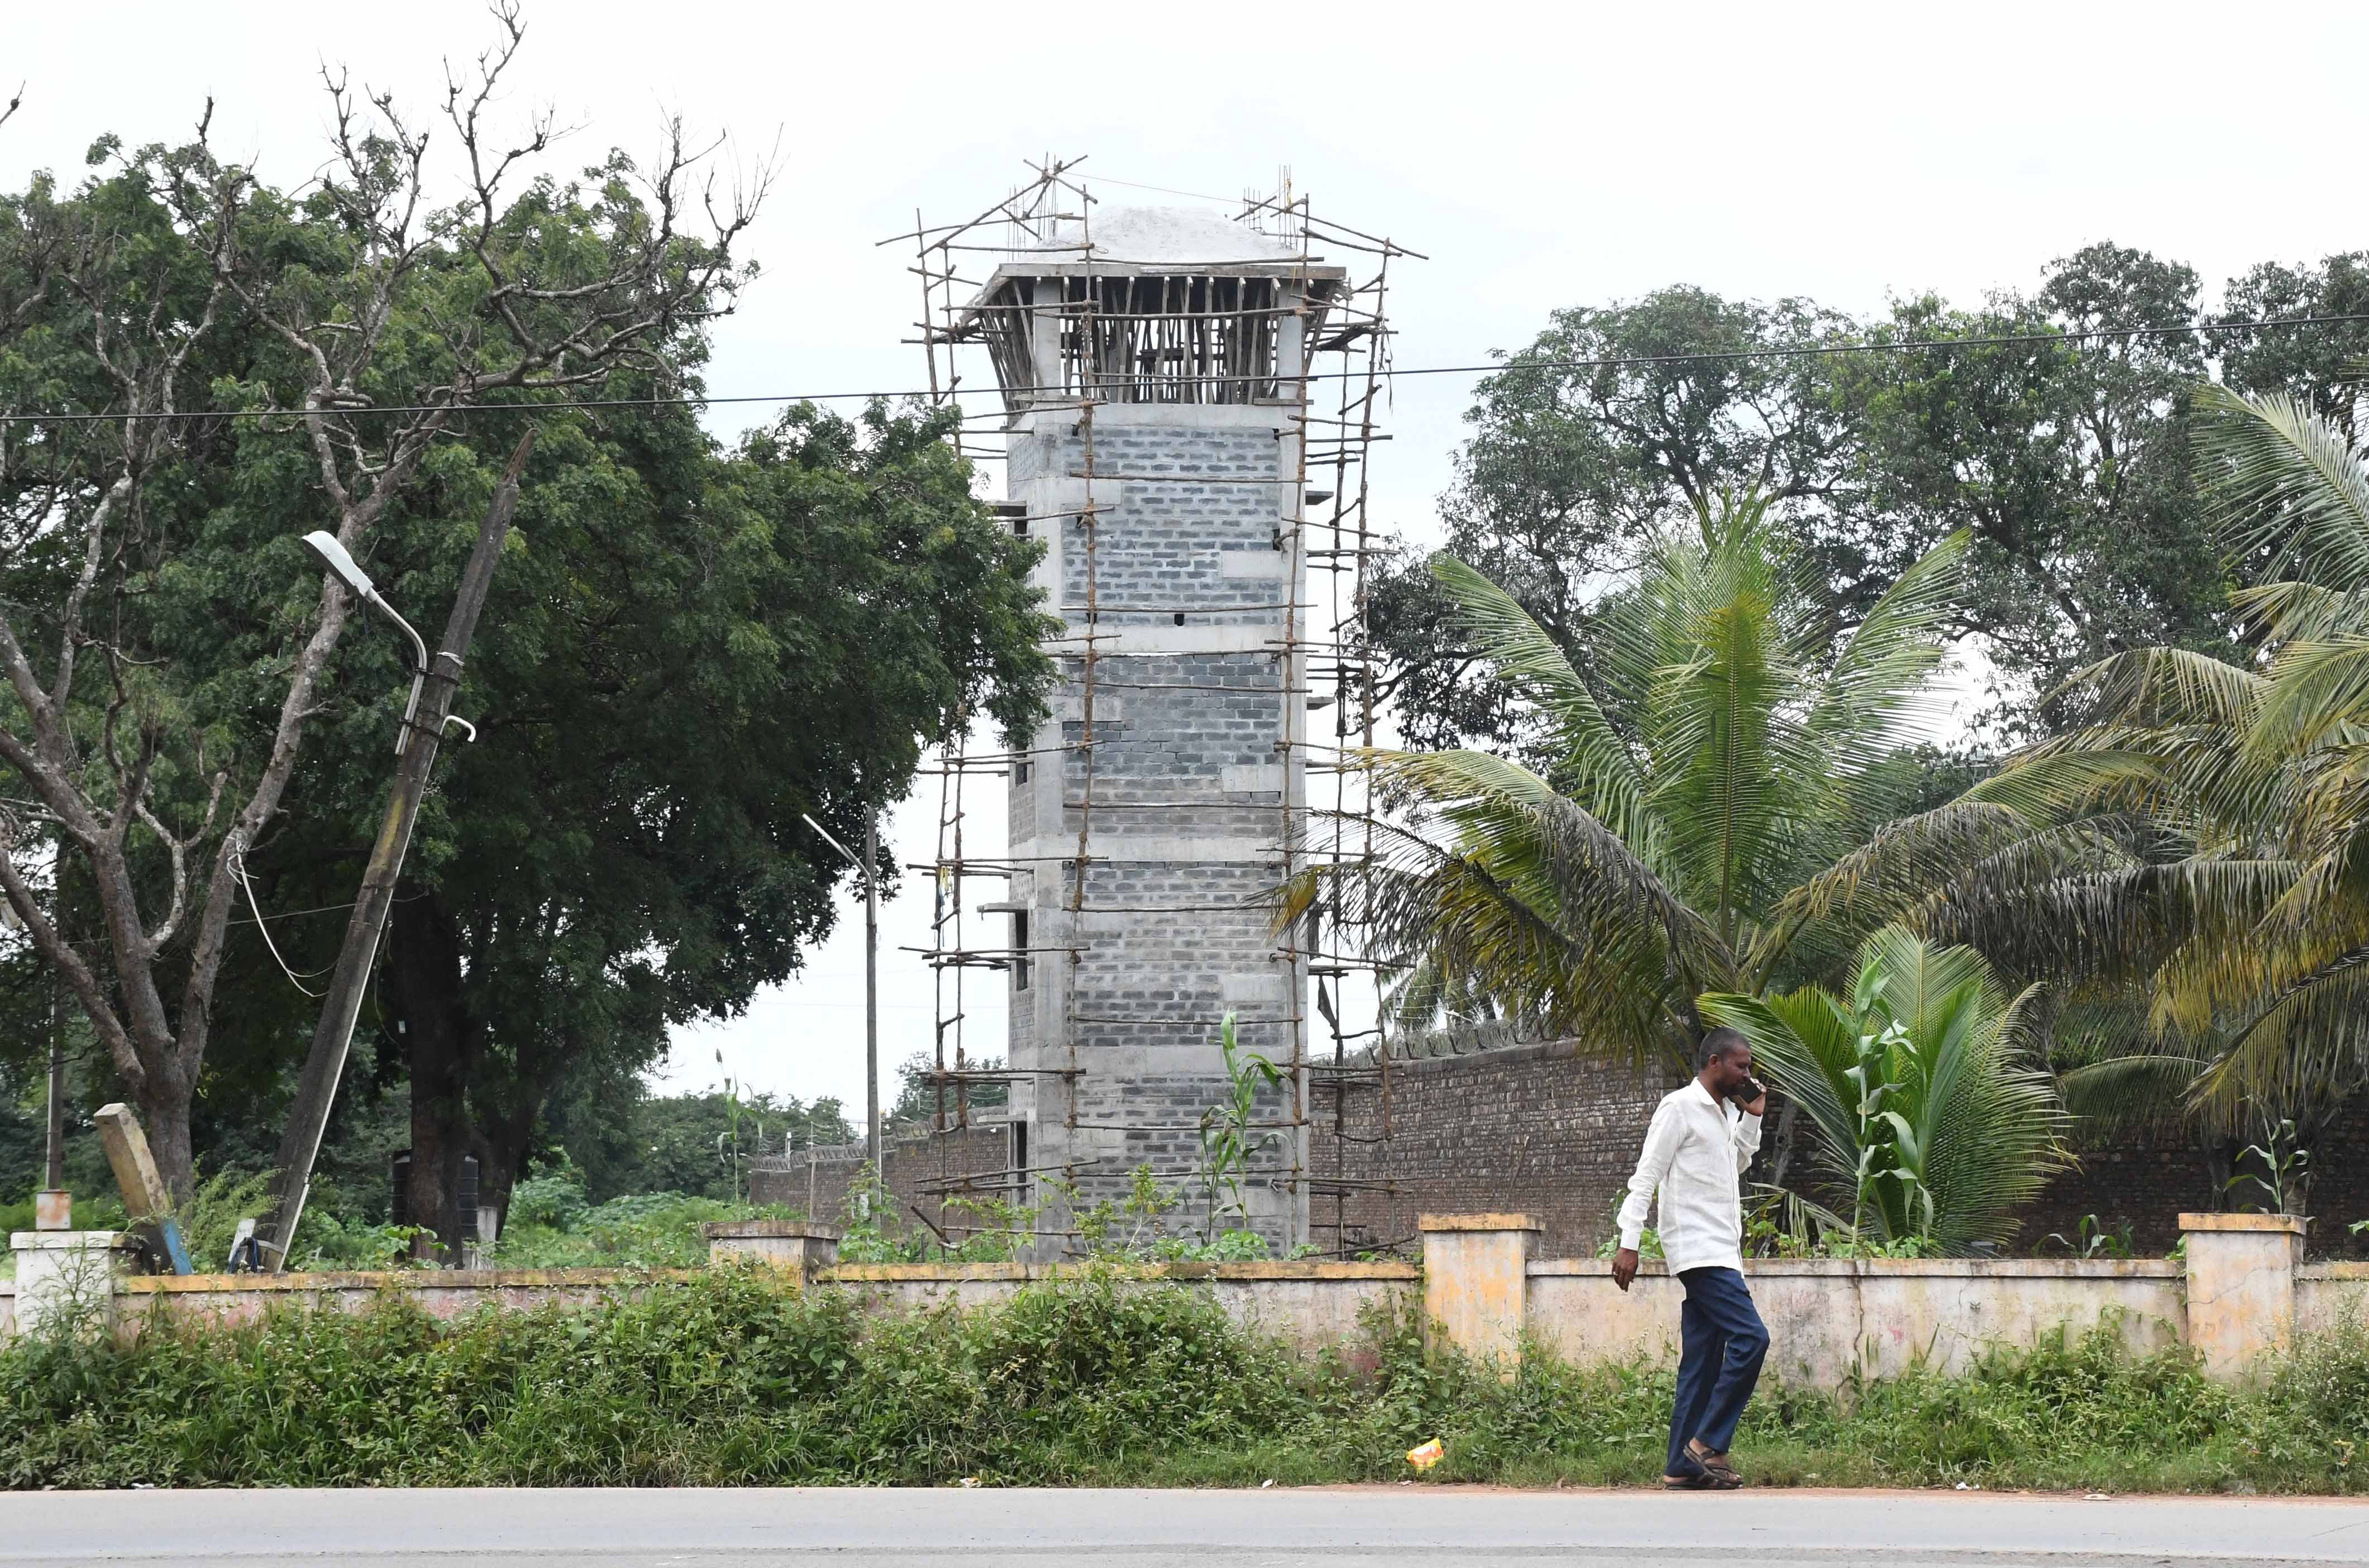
x=2240, y=1293
x=1313, y=1306
x=231, y=1299
x=1827, y=1317
x=2330, y=1296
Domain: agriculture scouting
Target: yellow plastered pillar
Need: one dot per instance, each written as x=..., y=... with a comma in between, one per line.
x=1476, y=1282
x=2241, y=1289
x=793, y=1246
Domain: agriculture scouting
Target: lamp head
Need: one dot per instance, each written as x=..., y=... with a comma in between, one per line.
x=334, y=559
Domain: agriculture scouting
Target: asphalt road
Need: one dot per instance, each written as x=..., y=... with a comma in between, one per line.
x=1346, y=1527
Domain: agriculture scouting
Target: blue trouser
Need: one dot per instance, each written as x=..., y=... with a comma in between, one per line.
x=1722, y=1342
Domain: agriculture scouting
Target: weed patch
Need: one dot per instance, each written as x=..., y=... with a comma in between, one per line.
x=730, y=1379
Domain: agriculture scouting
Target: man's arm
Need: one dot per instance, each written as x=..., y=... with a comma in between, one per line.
x=1745, y=1134
x=1653, y=1165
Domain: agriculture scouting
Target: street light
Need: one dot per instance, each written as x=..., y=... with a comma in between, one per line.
x=334, y=559
x=324, y=1063
x=871, y=978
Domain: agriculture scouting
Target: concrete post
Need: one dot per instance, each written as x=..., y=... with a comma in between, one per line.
x=1476, y=1281
x=796, y=1246
x=69, y=1274
x=2242, y=1270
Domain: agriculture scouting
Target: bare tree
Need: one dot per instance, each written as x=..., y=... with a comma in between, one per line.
x=427, y=311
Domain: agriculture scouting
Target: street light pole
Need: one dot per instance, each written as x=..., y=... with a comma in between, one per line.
x=864, y=868
x=872, y=994
x=54, y=1166
x=423, y=727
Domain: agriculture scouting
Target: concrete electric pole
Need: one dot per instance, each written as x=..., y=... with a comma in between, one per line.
x=864, y=868
x=431, y=700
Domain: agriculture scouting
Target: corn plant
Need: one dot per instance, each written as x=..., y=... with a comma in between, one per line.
x=1230, y=1137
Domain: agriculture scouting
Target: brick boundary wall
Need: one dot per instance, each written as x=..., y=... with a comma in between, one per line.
x=1533, y=1127
x=1539, y=1130
x=2146, y=1179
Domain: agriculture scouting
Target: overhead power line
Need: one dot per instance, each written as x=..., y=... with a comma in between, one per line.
x=1492, y=367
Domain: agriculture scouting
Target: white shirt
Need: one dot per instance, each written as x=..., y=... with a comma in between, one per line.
x=1695, y=1153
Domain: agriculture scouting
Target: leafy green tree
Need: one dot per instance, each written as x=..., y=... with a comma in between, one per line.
x=2314, y=365
x=1927, y=1082
x=1727, y=756
x=1571, y=471
x=917, y=1098
x=136, y=548
x=686, y=652
x=625, y=1140
x=2068, y=459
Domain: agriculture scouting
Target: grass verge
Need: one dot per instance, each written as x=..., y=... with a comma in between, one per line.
x=729, y=1379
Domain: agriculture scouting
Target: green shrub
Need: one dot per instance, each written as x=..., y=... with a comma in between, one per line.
x=729, y=1378
x=555, y=1202
x=640, y=1230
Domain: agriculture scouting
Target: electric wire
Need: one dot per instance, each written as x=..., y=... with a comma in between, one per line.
x=1492, y=367
x=246, y=884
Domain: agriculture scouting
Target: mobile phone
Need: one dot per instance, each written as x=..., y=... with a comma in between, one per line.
x=1753, y=1090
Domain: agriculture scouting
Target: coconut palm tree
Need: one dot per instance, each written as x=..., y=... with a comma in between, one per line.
x=1936, y=1118
x=2246, y=918
x=1712, y=817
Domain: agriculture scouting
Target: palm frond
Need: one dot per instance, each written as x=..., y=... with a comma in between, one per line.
x=2316, y=691
x=1882, y=675
x=1528, y=898
x=1958, y=1105
x=2286, y=481
x=1524, y=657
x=2301, y=611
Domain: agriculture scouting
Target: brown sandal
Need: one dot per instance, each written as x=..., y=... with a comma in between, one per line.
x=1717, y=1466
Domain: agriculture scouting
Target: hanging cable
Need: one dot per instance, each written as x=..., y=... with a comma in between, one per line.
x=238, y=874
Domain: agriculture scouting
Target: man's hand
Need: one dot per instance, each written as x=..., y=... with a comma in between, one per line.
x=1624, y=1266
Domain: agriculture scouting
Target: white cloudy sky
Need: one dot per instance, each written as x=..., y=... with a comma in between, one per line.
x=1542, y=154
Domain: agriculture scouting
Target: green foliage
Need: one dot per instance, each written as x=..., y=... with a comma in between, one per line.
x=686, y=646
x=2090, y=1238
x=642, y=1230
x=553, y=1201
x=1230, y=1136
x=2068, y=462
x=916, y=1103
x=1569, y=472
x=1717, y=813
x=209, y=1219
x=729, y=1378
x=1649, y=1245
x=328, y=1241
x=1931, y=1107
x=729, y=1375
x=2281, y=1165
x=629, y=1141
x=2214, y=810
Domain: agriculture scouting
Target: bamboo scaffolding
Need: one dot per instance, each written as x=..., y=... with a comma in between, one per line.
x=1168, y=332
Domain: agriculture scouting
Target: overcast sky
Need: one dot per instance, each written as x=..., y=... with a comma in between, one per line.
x=1541, y=156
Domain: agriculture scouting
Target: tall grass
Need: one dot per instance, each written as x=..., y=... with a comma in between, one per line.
x=729, y=1378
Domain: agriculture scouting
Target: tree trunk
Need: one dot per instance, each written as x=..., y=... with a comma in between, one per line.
x=163, y=1101
x=423, y=990
x=503, y=1144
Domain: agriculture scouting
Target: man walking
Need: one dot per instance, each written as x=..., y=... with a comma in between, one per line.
x=1694, y=1154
